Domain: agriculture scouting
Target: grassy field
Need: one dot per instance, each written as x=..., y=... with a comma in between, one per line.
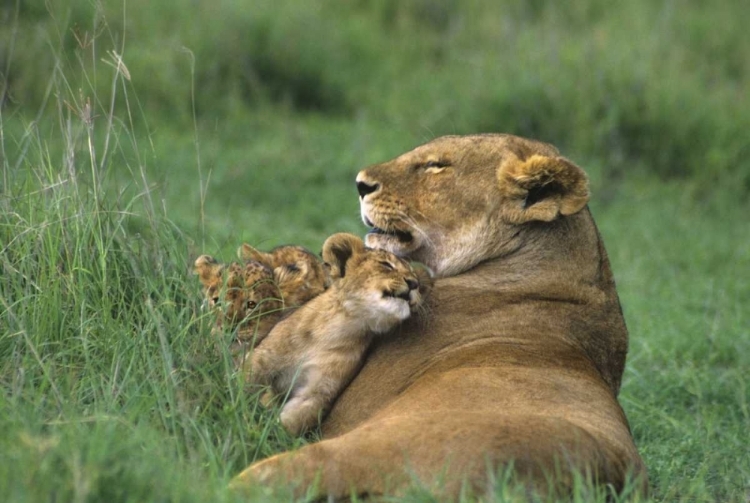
x=136, y=135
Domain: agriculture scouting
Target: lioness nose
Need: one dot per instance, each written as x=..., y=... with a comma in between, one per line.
x=412, y=284
x=365, y=188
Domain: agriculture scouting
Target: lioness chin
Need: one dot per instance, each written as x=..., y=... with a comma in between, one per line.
x=520, y=361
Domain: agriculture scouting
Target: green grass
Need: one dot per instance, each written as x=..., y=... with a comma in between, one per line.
x=240, y=124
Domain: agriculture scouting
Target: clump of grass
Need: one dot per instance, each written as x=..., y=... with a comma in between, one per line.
x=639, y=85
x=110, y=386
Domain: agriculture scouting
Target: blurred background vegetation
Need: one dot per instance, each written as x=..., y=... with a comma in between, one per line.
x=146, y=132
x=309, y=92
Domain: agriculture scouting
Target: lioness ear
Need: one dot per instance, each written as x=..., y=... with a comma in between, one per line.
x=338, y=249
x=541, y=188
x=247, y=252
x=207, y=268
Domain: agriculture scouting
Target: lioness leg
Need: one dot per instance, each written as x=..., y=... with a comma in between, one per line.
x=334, y=467
x=380, y=459
x=444, y=455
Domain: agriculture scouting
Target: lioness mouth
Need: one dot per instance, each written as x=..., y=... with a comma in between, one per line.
x=402, y=236
x=402, y=295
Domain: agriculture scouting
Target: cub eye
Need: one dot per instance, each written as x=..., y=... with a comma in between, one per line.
x=251, y=304
x=387, y=265
x=292, y=268
x=215, y=301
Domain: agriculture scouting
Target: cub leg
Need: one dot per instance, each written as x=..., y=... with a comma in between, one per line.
x=262, y=367
x=300, y=414
x=308, y=403
x=260, y=370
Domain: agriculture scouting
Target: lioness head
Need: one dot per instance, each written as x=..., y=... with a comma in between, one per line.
x=457, y=201
x=376, y=282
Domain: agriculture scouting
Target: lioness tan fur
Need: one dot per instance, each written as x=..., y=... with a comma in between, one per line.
x=312, y=354
x=520, y=361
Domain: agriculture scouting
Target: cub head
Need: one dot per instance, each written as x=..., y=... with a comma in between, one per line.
x=244, y=296
x=299, y=274
x=384, y=288
x=460, y=200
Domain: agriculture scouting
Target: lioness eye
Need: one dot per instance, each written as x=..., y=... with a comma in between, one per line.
x=435, y=167
x=387, y=265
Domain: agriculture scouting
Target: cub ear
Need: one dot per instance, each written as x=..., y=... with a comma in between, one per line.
x=207, y=268
x=541, y=188
x=338, y=249
x=247, y=252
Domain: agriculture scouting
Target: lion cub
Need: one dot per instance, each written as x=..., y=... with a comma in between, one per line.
x=252, y=296
x=314, y=353
x=300, y=274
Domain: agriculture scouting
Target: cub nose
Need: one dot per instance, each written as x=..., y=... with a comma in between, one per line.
x=412, y=284
x=365, y=188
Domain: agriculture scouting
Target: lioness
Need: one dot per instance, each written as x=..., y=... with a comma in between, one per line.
x=521, y=360
x=313, y=354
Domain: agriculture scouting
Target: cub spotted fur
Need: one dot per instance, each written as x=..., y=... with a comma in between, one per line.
x=252, y=296
x=299, y=273
x=315, y=352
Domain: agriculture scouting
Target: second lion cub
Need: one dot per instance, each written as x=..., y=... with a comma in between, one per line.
x=314, y=353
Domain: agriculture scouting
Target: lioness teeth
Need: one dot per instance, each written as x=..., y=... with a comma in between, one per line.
x=402, y=236
x=397, y=295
